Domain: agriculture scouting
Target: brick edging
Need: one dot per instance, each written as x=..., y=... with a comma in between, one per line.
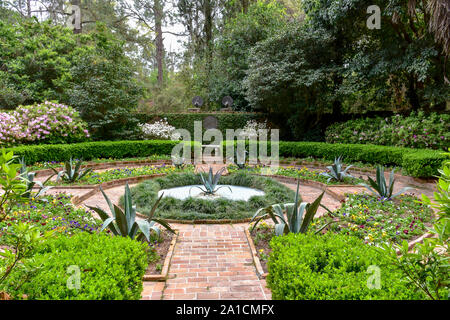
x=107, y=165
x=259, y=269
x=165, y=270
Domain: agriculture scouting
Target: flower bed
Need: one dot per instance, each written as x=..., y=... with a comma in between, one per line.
x=377, y=221
x=55, y=213
x=58, y=164
x=305, y=173
x=94, y=178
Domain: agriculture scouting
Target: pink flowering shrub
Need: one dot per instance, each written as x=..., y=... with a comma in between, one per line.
x=42, y=123
x=417, y=130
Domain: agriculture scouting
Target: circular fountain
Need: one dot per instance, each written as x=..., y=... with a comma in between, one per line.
x=223, y=191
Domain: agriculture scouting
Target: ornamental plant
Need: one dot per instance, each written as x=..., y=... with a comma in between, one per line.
x=380, y=187
x=159, y=130
x=417, y=130
x=123, y=222
x=47, y=122
x=299, y=215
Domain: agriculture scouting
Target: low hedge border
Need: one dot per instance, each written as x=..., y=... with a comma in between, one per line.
x=420, y=163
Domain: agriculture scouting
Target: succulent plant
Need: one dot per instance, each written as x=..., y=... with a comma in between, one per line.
x=336, y=172
x=290, y=217
x=210, y=181
x=71, y=172
x=124, y=223
x=380, y=187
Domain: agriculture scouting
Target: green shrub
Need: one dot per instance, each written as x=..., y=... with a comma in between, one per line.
x=332, y=267
x=94, y=150
x=111, y=268
x=415, y=131
x=415, y=162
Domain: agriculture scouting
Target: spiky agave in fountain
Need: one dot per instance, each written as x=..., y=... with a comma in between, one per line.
x=211, y=181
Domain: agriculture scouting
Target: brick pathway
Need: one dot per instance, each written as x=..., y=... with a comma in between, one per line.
x=213, y=262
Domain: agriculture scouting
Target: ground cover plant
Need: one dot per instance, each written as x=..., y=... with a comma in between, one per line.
x=57, y=164
x=332, y=267
x=145, y=194
x=376, y=220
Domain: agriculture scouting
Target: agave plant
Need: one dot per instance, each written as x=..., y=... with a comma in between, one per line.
x=380, y=187
x=290, y=217
x=71, y=172
x=124, y=223
x=211, y=181
x=336, y=172
x=28, y=178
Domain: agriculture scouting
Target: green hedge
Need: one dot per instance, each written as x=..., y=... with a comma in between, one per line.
x=225, y=121
x=331, y=267
x=111, y=268
x=94, y=150
x=415, y=162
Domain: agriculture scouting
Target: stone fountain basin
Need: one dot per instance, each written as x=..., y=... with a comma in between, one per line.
x=237, y=193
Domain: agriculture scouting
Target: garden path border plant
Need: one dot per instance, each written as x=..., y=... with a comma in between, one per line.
x=165, y=269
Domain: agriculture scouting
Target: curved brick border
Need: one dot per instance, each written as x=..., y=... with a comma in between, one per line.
x=256, y=261
x=165, y=270
x=109, y=165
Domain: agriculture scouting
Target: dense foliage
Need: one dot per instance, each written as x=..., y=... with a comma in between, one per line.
x=332, y=267
x=110, y=268
x=91, y=72
x=414, y=131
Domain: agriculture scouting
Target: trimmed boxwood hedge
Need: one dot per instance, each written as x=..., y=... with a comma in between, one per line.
x=111, y=268
x=415, y=162
x=332, y=267
x=94, y=150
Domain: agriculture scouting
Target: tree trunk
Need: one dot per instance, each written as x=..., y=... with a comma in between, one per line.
x=29, y=8
x=159, y=11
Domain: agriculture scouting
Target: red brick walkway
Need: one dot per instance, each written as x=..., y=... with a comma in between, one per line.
x=213, y=262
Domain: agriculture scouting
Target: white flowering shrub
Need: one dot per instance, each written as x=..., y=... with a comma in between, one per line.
x=251, y=128
x=159, y=130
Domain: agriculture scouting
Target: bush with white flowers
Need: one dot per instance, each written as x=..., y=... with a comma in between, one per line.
x=159, y=130
x=251, y=128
